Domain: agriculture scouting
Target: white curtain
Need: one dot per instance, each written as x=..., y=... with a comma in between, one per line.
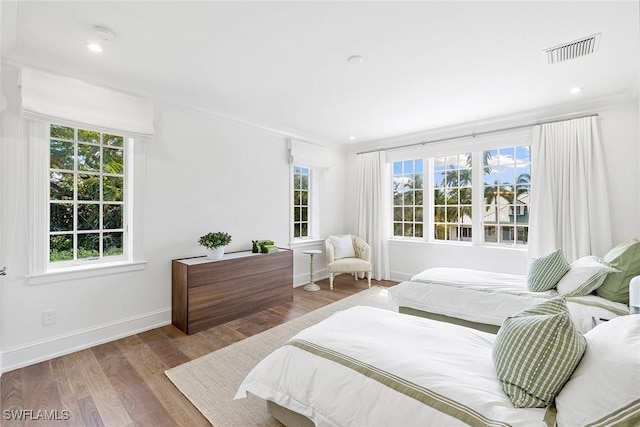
x=569, y=203
x=372, y=217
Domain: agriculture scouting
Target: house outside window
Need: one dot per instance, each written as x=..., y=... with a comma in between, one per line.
x=87, y=196
x=408, y=198
x=507, y=195
x=468, y=203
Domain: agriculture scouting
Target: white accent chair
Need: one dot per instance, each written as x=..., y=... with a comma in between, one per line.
x=342, y=257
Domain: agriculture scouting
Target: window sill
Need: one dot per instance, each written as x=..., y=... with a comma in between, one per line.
x=83, y=272
x=488, y=246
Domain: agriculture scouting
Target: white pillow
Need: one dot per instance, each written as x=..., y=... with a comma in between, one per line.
x=343, y=246
x=585, y=276
x=605, y=386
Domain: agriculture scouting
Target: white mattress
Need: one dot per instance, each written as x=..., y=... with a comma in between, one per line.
x=370, y=367
x=489, y=298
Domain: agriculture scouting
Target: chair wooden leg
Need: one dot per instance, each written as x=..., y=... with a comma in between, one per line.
x=355, y=275
x=369, y=278
x=331, y=280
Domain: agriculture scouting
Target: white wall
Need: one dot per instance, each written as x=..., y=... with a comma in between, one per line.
x=620, y=125
x=637, y=95
x=621, y=139
x=3, y=103
x=203, y=173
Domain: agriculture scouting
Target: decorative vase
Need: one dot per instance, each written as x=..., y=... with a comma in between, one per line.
x=216, y=253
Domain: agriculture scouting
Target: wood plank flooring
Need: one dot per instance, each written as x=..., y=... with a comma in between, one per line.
x=122, y=383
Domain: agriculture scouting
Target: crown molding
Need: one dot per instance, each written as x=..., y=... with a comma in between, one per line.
x=543, y=114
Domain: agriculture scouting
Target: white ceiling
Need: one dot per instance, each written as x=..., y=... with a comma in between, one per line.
x=282, y=65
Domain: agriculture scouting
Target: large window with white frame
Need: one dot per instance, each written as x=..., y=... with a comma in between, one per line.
x=86, y=177
x=301, y=202
x=452, y=197
x=87, y=196
x=507, y=195
x=408, y=198
x=491, y=197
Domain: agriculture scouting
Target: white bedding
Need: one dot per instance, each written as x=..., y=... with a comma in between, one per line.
x=448, y=369
x=486, y=297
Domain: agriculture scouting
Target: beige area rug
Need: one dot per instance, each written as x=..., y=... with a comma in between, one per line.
x=211, y=381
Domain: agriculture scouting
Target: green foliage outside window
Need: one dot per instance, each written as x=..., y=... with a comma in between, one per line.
x=408, y=198
x=453, y=197
x=504, y=196
x=86, y=194
x=301, y=177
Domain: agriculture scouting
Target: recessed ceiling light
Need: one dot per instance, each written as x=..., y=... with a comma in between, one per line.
x=575, y=90
x=94, y=47
x=352, y=137
x=355, y=59
x=101, y=35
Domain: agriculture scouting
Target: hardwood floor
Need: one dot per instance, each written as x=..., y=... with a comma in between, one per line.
x=122, y=383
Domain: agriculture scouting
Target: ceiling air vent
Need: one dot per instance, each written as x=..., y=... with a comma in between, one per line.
x=574, y=49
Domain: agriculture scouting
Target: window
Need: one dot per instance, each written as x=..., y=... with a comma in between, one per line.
x=86, y=195
x=507, y=194
x=452, y=197
x=468, y=203
x=86, y=177
x=301, y=198
x=408, y=198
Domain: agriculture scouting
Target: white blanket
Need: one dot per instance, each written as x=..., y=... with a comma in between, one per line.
x=486, y=297
x=370, y=367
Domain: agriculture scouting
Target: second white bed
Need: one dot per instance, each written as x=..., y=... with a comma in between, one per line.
x=487, y=298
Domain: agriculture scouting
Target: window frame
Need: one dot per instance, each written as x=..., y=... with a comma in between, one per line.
x=458, y=188
x=475, y=146
x=412, y=206
x=313, y=204
x=76, y=232
x=41, y=271
x=513, y=206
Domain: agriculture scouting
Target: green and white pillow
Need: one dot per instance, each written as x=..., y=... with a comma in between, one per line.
x=535, y=353
x=625, y=258
x=545, y=273
x=585, y=276
x=604, y=389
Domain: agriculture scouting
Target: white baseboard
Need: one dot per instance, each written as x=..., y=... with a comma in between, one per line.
x=398, y=276
x=39, y=351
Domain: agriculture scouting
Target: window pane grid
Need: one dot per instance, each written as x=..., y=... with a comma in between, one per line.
x=452, y=197
x=507, y=190
x=301, y=181
x=86, y=206
x=408, y=198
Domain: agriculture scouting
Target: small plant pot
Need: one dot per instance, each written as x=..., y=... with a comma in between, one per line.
x=217, y=253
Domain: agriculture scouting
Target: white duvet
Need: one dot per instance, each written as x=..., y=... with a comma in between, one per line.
x=486, y=297
x=370, y=367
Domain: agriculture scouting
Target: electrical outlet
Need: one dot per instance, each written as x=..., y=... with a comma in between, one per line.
x=48, y=317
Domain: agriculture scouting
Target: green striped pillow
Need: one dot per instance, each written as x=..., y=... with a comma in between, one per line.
x=535, y=353
x=545, y=273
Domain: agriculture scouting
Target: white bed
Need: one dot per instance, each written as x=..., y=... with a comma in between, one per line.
x=370, y=367
x=483, y=299
x=359, y=366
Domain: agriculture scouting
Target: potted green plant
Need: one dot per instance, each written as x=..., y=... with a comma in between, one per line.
x=216, y=243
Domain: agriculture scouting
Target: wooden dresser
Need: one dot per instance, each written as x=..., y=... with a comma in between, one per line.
x=206, y=292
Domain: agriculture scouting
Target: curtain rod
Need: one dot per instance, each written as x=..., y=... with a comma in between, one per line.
x=474, y=134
